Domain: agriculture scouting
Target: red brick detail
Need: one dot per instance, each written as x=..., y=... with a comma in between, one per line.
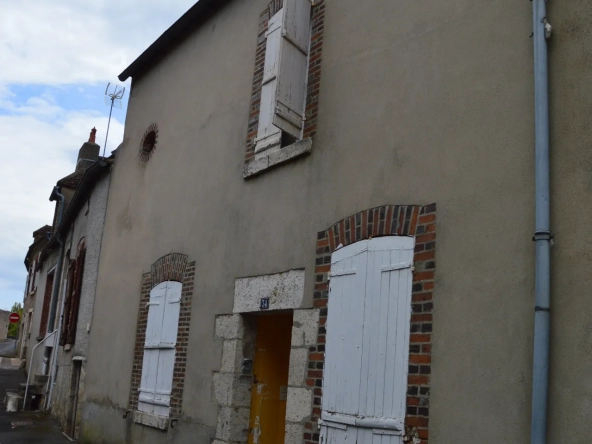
x=182, y=341
x=388, y=220
x=315, y=59
x=314, y=73
x=171, y=269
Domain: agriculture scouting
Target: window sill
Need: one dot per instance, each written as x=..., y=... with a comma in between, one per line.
x=151, y=420
x=258, y=166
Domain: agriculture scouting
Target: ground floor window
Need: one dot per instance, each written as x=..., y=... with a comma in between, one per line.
x=159, y=348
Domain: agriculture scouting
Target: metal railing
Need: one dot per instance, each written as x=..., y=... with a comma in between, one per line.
x=31, y=365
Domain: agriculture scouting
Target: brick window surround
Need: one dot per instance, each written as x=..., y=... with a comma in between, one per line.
x=172, y=267
x=252, y=166
x=389, y=220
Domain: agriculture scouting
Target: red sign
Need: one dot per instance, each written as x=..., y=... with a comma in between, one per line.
x=14, y=318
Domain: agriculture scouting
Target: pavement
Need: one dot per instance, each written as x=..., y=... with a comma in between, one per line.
x=23, y=427
x=7, y=347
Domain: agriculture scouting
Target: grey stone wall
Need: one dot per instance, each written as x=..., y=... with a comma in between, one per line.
x=88, y=225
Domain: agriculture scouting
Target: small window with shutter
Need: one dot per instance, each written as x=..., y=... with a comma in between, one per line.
x=283, y=93
x=73, y=297
x=159, y=348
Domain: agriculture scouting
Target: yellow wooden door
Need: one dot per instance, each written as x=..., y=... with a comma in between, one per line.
x=270, y=381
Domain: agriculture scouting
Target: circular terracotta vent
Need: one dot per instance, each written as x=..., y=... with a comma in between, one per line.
x=148, y=144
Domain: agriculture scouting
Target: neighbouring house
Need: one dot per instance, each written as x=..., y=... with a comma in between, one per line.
x=320, y=229
x=4, y=324
x=40, y=240
x=81, y=229
x=66, y=272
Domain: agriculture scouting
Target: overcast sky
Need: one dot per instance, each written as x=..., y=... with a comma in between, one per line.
x=56, y=57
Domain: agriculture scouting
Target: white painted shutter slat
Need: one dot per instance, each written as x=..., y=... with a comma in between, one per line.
x=393, y=331
x=155, y=314
x=291, y=88
x=355, y=329
x=370, y=344
x=268, y=134
x=151, y=353
x=332, y=347
x=405, y=282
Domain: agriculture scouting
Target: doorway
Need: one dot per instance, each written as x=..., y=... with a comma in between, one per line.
x=269, y=391
x=72, y=423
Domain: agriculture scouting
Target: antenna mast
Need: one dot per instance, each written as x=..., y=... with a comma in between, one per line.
x=113, y=96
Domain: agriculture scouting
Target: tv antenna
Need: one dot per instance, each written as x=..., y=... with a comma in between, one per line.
x=113, y=96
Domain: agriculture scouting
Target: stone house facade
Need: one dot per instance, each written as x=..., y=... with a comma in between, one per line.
x=63, y=272
x=40, y=240
x=291, y=173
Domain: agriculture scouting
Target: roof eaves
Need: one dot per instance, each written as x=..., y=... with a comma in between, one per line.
x=196, y=15
x=91, y=175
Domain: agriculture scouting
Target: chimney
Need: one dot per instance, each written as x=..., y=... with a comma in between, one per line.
x=93, y=135
x=88, y=153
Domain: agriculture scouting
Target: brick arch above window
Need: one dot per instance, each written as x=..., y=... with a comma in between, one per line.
x=386, y=220
x=168, y=268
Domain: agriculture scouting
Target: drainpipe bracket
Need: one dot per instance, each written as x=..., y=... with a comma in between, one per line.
x=543, y=235
x=548, y=29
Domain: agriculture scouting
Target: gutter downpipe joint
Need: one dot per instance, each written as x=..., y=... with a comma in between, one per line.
x=543, y=236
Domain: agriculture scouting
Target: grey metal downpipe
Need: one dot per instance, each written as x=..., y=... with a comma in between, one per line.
x=542, y=237
x=55, y=195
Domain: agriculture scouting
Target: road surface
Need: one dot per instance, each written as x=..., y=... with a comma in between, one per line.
x=23, y=427
x=7, y=347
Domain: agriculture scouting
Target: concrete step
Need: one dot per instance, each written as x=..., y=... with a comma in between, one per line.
x=40, y=379
x=13, y=401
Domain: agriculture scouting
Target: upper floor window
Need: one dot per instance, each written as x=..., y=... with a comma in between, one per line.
x=283, y=93
x=73, y=296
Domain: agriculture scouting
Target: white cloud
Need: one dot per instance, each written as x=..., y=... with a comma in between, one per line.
x=58, y=43
x=36, y=153
x=78, y=41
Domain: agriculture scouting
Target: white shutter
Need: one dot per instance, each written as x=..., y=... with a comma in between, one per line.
x=159, y=349
x=269, y=135
x=343, y=352
x=284, y=78
x=166, y=362
x=291, y=88
x=367, y=349
x=151, y=348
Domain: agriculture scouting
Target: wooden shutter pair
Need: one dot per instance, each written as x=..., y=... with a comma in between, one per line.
x=72, y=302
x=283, y=92
x=367, y=349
